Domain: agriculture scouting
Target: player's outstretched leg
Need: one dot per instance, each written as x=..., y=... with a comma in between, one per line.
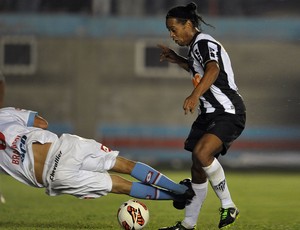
x=139, y=190
x=146, y=191
x=149, y=175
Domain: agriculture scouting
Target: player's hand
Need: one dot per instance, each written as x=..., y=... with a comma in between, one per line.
x=190, y=104
x=167, y=54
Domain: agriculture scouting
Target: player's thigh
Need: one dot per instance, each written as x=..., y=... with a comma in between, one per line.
x=198, y=129
x=120, y=185
x=123, y=165
x=206, y=148
x=228, y=127
x=82, y=184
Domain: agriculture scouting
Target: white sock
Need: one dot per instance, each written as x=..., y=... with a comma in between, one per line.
x=193, y=209
x=216, y=176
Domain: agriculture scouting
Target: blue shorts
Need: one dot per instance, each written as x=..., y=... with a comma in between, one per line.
x=225, y=126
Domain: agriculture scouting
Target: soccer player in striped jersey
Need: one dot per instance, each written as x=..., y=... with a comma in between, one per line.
x=222, y=113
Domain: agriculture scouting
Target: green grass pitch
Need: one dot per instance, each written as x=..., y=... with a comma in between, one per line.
x=266, y=200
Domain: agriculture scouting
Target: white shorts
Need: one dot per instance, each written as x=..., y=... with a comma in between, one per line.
x=78, y=167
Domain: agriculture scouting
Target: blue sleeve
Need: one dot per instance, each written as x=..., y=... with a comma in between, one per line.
x=31, y=117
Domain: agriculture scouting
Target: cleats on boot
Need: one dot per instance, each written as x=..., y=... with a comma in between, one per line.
x=228, y=216
x=184, y=199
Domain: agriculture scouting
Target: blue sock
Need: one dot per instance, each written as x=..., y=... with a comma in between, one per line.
x=149, y=175
x=146, y=191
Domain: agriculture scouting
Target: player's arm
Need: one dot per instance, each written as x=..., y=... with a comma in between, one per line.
x=210, y=59
x=40, y=122
x=210, y=75
x=171, y=56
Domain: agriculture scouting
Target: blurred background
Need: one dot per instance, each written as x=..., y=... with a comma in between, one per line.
x=91, y=67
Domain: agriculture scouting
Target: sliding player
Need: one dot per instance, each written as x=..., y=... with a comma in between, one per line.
x=73, y=165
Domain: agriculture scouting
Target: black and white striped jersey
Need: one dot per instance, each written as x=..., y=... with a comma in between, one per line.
x=223, y=95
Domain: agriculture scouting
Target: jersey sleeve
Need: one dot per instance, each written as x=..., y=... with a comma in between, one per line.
x=21, y=115
x=31, y=117
x=27, y=116
x=209, y=51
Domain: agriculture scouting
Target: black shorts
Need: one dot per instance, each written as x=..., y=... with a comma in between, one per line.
x=225, y=126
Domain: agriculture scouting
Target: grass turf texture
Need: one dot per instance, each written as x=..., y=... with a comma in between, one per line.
x=266, y=200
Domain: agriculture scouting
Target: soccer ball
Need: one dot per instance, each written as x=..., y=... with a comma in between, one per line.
x=133, y=215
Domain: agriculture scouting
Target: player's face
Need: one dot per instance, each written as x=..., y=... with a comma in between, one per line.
x=180, y=33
